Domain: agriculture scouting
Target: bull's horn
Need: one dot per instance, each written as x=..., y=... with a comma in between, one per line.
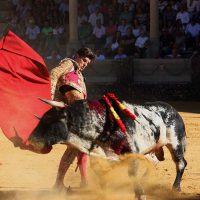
x=53, y=103
x=39, y=118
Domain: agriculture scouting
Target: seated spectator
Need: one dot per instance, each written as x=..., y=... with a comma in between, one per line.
x=46, y=29
x=64, y=10
x=179, y=42
x=22, y=9
x=136, y=28
x=166, y=42
x=58, y=32
x=110, y=31
x=99, y=55
x=92, y=6
x=85, y=32
x=99, y=32
x=128, y=42
x=53, y=59
x=95, y=16
x=193, y=7
x=50, y=44
x=112, y=49
x=169, y=14
x=120, y=54
x=126, y=14
x=141, y=16
x=192, y=34
x=81, y=17
x=131, y=5
x=32, y=34
x=104, y=8
x=141, y=44
x=123, y=26
x=111, y=15
x=183, y=15
x=162, y=5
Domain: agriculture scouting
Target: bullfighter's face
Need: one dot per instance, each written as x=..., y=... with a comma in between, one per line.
x=83, y=62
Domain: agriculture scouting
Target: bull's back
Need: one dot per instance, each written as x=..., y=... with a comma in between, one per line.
x=169, y=114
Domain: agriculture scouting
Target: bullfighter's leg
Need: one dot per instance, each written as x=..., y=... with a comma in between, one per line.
x=66, y=160
x=82, y=164
x=178, y=157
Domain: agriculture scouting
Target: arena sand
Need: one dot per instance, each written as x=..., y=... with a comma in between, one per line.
x=29, y=176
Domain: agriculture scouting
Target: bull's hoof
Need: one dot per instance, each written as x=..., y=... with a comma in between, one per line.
x=176, y=188
x=160, y=154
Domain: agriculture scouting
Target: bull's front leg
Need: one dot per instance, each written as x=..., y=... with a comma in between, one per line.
x=66, y=160
x=138, y=188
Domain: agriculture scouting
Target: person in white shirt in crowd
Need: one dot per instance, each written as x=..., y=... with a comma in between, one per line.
x=120, y=54
x=32, y=34
x=22, y=9
x=93, y=4
x=192, y=32
x=141, y=44
x=99, y=55
x=96, y=15
x=193, y=6
x=82, y=17
x=183, y=15
x=64, y=10
x=136, y=28
x=99, y=32
x=162, y=4
x=63, y=7
x=123, y=26
x=126, y=14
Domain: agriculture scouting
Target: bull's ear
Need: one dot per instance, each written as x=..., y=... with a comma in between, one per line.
x=58, y=104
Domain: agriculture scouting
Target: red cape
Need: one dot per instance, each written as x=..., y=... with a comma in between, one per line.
x=23, y=78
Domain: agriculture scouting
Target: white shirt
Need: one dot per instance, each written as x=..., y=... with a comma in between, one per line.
x=82, y=19
x=93, y=18
x=123, y=29
x=183, y=16
x=141, y=41
x=194, y=6
x=32, y=32
x=100, y=57
x=114, y=46
x=63, y=7
x=193, y=29
x=99, y=32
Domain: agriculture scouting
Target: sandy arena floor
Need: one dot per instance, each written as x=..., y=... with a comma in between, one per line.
x=28, y=176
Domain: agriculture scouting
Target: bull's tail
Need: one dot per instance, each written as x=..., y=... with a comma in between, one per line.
x=184, y=143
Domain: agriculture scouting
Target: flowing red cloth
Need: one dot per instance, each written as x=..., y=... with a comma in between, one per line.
x=23, y=78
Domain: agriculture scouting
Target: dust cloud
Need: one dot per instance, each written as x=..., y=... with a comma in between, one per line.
x=107, y=180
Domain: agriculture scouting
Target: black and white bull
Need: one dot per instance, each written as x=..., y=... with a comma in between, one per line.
x=86, y=124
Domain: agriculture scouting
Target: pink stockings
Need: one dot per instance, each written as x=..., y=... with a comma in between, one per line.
x=82, y=164
x=68, y=157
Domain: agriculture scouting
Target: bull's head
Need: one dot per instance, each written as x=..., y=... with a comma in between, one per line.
x=63, y=124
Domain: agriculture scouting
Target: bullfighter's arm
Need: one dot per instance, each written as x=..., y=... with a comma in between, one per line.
x=64, y=67
x=72, y=95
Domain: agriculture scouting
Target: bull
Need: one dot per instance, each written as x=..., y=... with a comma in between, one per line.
x=86, y=124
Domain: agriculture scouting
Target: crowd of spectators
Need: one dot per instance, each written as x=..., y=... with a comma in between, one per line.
x=116, y=28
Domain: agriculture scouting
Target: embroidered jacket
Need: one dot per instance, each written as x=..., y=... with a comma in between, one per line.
x=67, y=74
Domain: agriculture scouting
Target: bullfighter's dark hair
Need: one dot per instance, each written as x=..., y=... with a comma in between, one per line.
x=86, y=52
